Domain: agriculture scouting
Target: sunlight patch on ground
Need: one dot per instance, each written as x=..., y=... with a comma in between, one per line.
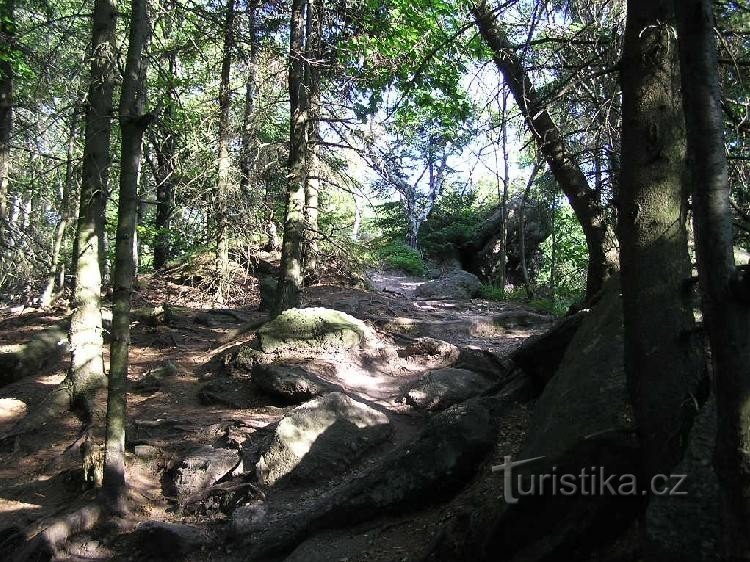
x=51, y=379
x=8, y=506
x=362, y=380
x=12, y=409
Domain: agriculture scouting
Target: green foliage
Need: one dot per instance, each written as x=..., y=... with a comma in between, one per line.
x=453, y=222
x=401, y=257
x=492, y=292
x=567, y=281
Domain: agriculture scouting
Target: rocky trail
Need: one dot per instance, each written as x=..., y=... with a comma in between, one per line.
x=244, y=448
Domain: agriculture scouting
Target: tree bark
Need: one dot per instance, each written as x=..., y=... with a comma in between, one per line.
x=133, y=122
x=221, y=235
x=314, y=58
x=522, y=228
x=724, y=289
x=585, y=201
x=165, y=149
x=663, y=355
x=87, y=370
x=248, y=127
x=291, y=272
x=7, y=36
x=66, y=205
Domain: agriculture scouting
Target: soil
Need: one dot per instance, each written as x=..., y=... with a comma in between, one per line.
x=41, y=478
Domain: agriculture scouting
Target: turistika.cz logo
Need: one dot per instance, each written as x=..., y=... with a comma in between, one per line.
x=590, y=481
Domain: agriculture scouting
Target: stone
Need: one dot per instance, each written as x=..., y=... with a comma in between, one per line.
x=539, y=356
x=321, y=437
x=457, y=284
x=441, y=388
x=290, y=383
x=42, y=351
x=422, y=471
x=201, y=468
x=232, y=392
x=159, y=540
x=312, y=329
x=582, y=419
x=433, y=353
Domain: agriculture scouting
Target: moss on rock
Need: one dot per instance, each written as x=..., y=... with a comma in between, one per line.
x=312, y=328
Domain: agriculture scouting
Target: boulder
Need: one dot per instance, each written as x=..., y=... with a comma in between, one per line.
x=428, y=469
x=456, y=284
x=290, y=383
x=441, y=388
x=434, y=354
x=540, y=355
x=521, y=318
x=201, y=468
x=320, y=438
x=159, y=540
x=582, y=420
x=42, y=351
x=152, y=380
x=312, y=329
x=233, y=392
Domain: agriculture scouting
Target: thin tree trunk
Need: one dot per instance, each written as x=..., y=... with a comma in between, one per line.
x=248, y=127
x=522, y=228
x=724, y=289
x=7, y=39
x=66, y=205
x=133, y=122
x=663, y=357
x=552, y=146
x=291, y=272
x=165, y=149
x=502, y=258
x=221, y=236
x=312, y=178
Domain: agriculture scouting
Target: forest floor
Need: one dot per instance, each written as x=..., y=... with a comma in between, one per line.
x=41, y=478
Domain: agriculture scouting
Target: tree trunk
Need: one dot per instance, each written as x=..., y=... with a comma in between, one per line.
x=65, y=211
x=552, y=146
x=133, y=122
x=663, y=356
x=87, y=370
x=505, y=180
x=314, y=57
x=291, y=273
x=724, y=290
x=248, y=127
x=165, y=149
x=522, y=228
x=7, y=33
x=221, y=235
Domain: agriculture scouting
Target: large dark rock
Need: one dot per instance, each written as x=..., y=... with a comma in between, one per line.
x=158, y=540
x=582, y=420
x=201, y=468
x=233, y=392
x=428, y=469
x=456, y=284
x=290, y=383
x=540, y=355
x=441, y=388
x=686, y=526
x=322, y=437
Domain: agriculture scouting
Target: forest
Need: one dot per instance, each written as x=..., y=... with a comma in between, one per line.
x=360, y=280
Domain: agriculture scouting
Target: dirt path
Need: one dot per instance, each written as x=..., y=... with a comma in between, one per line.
x=40, y=476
